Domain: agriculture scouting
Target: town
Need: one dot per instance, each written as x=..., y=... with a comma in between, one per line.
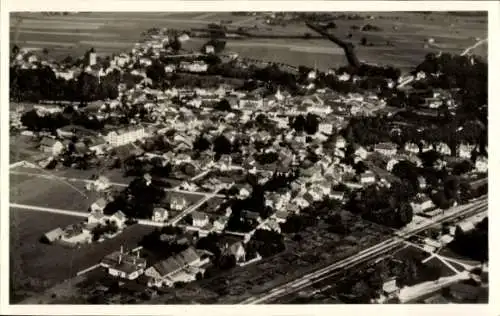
x=199, y=176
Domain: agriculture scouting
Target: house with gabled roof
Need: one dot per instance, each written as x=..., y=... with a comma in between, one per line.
x=96, y=217
x=119, y=218
x=53, y=235
x=181, y=267
x=159, y=214
x=98, y=205
x=52, y=146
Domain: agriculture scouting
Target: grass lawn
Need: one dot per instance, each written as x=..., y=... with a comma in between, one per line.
x=42, y=192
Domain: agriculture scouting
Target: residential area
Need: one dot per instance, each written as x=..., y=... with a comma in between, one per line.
x=167, y=174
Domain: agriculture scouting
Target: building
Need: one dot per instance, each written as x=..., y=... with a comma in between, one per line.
x=238, y=251
x=92, y=59
x=337, y=195
x=76, y=234
x=421, y=204
x=465, y=151
x=390, y=287
x=124, y=265
x=159, y=214
x=251, y=102
x=119, y=219
x=182, y=267
x=481, y=164
x=361, y=152
x=412, y=148
x=209, y=49
x=340, y=142
x=387, y=149
x=443, y=149
x=178, y=202
x=96, y=217
x=199, y=219
x=197, y=66
x=220, y=223
x=52, y=146
x=125, y=136
x=53, y=235
x=183, y=38
x=325, y=128
x=422, y=183
x=367, y=177
x=100, y=184
x=98, y=205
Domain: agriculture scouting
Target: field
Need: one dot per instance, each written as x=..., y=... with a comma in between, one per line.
x=36, y=266
x=49, y=193
x=115, y=32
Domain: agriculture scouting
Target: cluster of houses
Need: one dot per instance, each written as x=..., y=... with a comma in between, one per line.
x=83, y=232
x=186, y=266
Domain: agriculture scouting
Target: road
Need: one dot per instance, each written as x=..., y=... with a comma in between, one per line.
x=465, y=52
x=48, y=210
x=117, y=184
x=468, y=49
x=365, y=255
x=194, y=207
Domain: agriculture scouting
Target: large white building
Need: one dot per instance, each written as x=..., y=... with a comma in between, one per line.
x=125, y=135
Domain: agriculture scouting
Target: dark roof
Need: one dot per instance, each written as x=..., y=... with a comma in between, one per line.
x=169, y=266
x=189, y=255
x=198, y=215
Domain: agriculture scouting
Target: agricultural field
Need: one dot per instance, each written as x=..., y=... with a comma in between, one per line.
x=401, y=40
x=37, y=266
x=52, y=193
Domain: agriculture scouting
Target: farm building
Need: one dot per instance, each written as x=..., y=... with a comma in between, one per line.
x=52, y=146
x=124, y=265
x=53, y=235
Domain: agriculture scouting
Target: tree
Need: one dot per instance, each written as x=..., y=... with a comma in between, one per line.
x=156, y=72
x=31, y=120
x=176, y=45
x=299, y=123
x=15, y=50
x=311, y=124
x=222, y=145
x=227, y=262
x=361, y=292
x=201, y=143
x=360, y=167
x=223, y=105
x=429, y=158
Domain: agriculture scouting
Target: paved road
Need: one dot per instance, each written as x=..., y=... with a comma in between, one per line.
x=194, y=207
x=363, y=256
x=468, y=49
x=48, y=210
x=465, y=52
x=68, y=179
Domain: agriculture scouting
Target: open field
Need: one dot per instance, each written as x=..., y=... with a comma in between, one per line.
x=36, y=266
x=49, y=193
x=114, y=32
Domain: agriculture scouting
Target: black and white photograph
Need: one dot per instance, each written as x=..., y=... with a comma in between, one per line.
x=247, y=157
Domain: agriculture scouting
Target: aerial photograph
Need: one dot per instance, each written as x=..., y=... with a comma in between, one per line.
x=248, y=157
